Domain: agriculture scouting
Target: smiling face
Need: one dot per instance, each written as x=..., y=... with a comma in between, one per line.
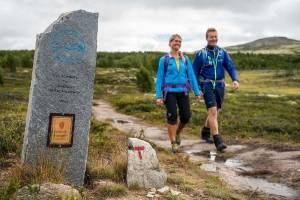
x=175, y=44
x=212, y=38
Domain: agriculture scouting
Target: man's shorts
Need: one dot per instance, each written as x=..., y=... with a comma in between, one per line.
x=213, y=97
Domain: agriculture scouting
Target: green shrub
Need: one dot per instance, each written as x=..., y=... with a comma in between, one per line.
x=1, y=76
x=26, y=61
x=11, y=63
x=11, y=129
x=7, y=192
x=144, y=80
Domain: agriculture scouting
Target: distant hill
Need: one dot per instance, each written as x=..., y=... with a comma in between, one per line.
x=277, y=45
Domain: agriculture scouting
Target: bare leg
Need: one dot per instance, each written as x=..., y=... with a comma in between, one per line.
x=180, y=127
x=206, y=123
x=178, y=132
x=213, y=120
x=172, y=131
x=213, y=123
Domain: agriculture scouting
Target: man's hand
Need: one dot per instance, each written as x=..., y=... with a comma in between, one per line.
x=159, y=102
x=235, y=85
x=180, y=53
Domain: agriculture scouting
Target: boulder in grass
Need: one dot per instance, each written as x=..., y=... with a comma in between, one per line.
x=143, y=167
x=49, y=191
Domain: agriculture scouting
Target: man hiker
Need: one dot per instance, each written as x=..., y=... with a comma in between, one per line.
x=209, y=64
x=175, y=77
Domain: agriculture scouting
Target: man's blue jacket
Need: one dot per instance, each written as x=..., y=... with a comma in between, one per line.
x=209, y=65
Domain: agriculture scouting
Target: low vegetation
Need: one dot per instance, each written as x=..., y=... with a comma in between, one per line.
x=265, y=108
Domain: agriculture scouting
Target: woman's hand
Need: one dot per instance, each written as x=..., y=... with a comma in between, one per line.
x=235, y=85
x=198, y=98
x=159, y=102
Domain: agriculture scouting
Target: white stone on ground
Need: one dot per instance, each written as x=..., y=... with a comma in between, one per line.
x=143, y=167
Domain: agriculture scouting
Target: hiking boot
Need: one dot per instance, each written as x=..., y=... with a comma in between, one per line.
x=175, y=147
x=178, y=138
x=219, y=143
x=205, y=135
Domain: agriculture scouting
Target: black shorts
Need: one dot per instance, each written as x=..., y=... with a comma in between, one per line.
x=213, y=97
x=180, y=99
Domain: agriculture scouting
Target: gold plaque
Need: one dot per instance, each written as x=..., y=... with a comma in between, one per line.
x=61, y=130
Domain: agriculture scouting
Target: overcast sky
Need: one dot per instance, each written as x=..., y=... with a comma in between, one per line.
x=145, y=25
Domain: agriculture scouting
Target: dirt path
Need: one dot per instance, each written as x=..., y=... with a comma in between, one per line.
x=257, y=169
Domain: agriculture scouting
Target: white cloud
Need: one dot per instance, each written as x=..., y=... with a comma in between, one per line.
x=145, y=25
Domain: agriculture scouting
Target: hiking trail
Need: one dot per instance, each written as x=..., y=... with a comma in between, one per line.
x=258, y=169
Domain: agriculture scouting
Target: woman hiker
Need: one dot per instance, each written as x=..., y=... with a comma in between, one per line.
x=175, y=77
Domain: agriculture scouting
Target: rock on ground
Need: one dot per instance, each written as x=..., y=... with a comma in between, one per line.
x=143, y=167
x=49, y=191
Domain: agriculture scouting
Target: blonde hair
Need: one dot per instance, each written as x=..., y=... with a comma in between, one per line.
x=210, y=30
x=173, y=37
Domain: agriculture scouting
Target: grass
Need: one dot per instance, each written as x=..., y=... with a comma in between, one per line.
x=172, y=197
x=247, y=114
x=183, y=184
x=285, y=49
x=114, y=190
x=107, y=158
x=266, y=106
x=114, y=81
x=215, y=188
x=13, y=108
x=26, y=175
x=278, y=82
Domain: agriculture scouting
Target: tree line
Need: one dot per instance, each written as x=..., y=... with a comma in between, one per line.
x=245, y=61
x=147, y=62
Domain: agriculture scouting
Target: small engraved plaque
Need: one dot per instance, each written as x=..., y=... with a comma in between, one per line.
x=60, y=131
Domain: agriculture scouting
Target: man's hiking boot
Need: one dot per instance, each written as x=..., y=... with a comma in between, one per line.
x=205, y=135
x=219, y=143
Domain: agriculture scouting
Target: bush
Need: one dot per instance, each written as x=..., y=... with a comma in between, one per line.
x=11, y=63
x=144, y=80
x=1, y=76
x=26, y=61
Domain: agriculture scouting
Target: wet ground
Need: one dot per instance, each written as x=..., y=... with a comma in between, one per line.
x=244, y=167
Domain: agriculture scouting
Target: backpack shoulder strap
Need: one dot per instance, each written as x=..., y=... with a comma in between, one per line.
x=166, y=63
x=221, y=50
x=203, y=51
x=185, y=62
x=187, y=83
